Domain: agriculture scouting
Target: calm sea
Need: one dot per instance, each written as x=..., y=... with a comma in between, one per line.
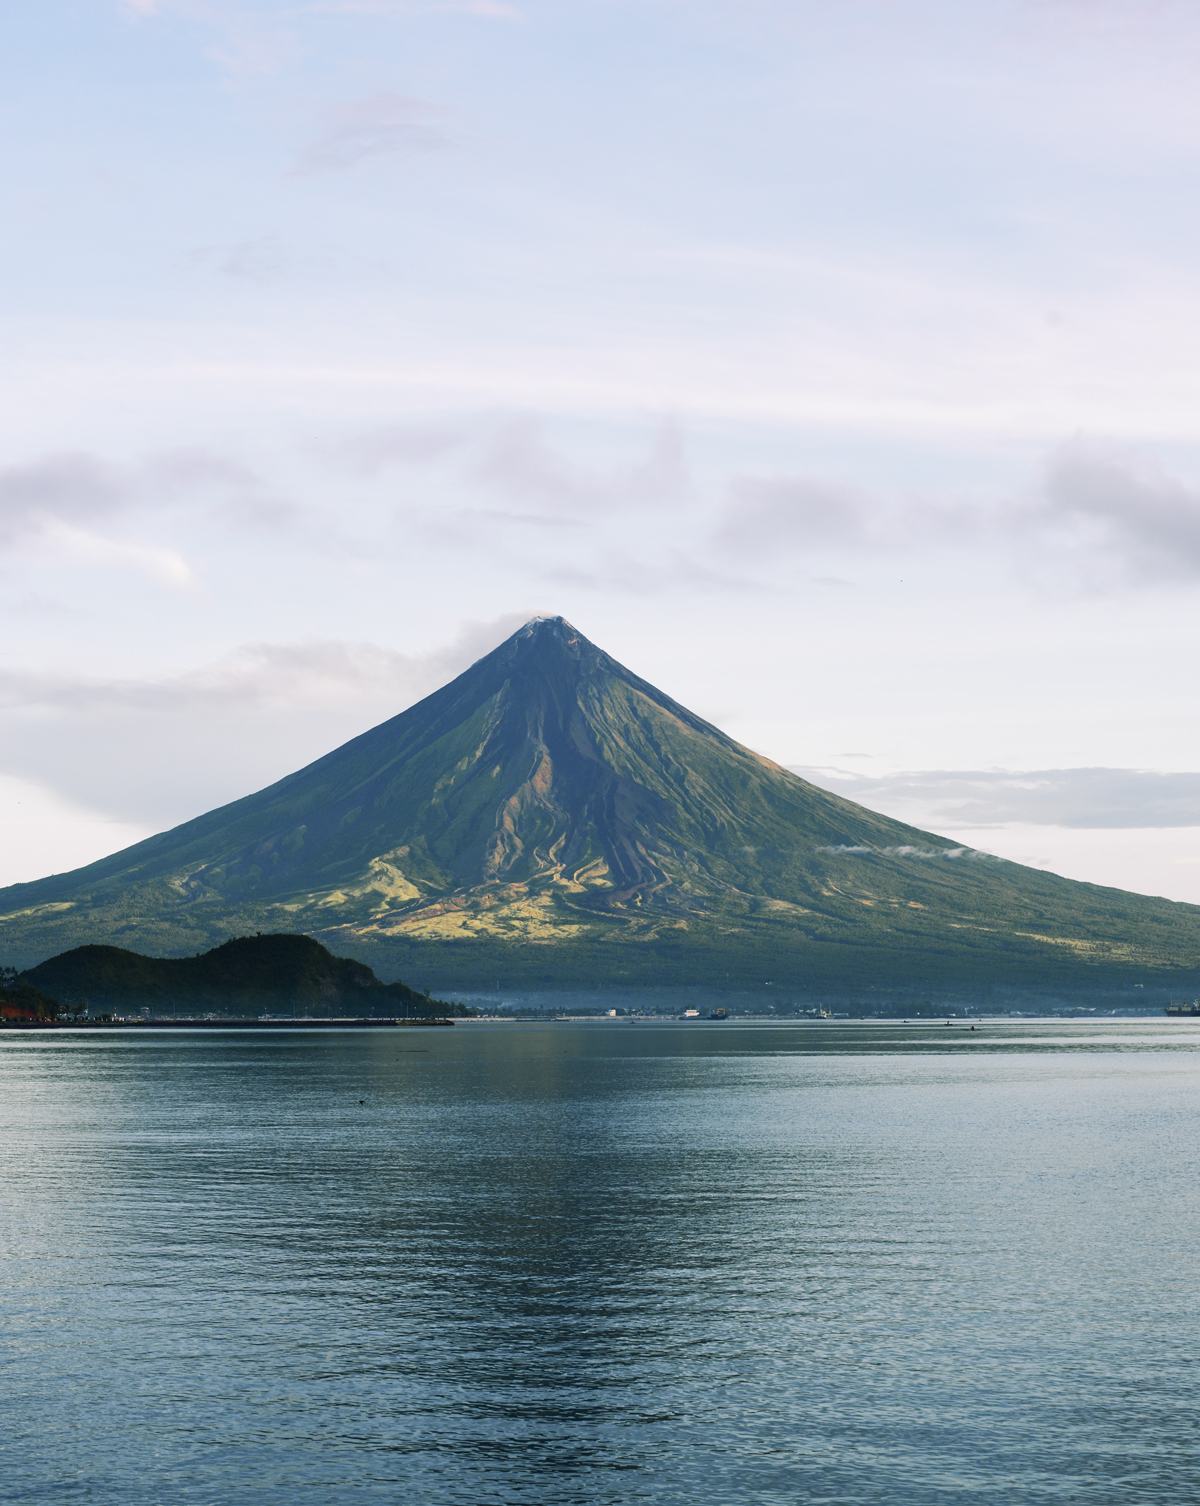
x=602, y=1263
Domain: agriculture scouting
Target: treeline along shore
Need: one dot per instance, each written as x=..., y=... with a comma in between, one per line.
x=251, y=980
x=293, y=1022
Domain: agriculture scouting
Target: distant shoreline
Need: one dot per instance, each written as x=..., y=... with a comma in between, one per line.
x=297, y=1024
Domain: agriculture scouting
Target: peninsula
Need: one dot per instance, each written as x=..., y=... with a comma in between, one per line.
x=246, y=976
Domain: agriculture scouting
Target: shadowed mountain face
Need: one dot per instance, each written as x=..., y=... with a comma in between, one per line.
x=549, y=814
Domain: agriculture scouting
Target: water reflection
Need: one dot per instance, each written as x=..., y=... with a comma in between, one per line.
x=554, y=1264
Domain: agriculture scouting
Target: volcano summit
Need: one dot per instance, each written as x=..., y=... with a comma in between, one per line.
x=549, y=817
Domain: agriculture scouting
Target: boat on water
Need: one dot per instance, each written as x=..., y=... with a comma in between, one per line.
x=1178, y=1009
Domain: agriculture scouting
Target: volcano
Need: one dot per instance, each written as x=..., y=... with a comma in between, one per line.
x=549, y=817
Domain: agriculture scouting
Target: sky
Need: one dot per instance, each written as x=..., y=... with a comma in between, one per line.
x=834, y=367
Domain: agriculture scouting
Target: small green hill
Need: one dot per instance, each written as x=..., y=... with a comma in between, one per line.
x=247, y=975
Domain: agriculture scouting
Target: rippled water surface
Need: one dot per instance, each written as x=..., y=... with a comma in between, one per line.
x=609, y=1263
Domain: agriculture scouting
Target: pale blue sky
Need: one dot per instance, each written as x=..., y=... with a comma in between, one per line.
x=833, y=365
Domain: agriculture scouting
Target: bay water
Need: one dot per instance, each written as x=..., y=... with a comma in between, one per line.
x=602, y=1263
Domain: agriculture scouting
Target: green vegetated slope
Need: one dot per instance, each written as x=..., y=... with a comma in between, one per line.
x=549, y=817
x=20, y=1000
x=245, y=975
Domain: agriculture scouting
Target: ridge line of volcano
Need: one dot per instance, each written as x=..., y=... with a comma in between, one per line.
x=550, y=815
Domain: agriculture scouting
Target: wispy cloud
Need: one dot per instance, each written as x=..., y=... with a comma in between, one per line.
x=83, y=490
x=1112, y=799
x=247, y=50
x=489, y=10
x=374, y=450
x=378, y=126
x=767, y=514
x=70, y=488
x=261, y=260
x=163, y=748
x=519, y=462
x=617, y=571
x=910, y=850
x=1099, y=519
x=165, y=567
x=82, y=507
x=1131, y=519
x=266, y=673
x=245, y=43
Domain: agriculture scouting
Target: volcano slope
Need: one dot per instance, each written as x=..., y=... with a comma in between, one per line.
x=550, y=818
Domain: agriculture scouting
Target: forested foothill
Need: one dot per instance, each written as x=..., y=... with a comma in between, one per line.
x=247, y=976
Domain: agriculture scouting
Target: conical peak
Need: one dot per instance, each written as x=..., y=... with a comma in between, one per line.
x=550, y=635
x=542, y=628
x=550, y=651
